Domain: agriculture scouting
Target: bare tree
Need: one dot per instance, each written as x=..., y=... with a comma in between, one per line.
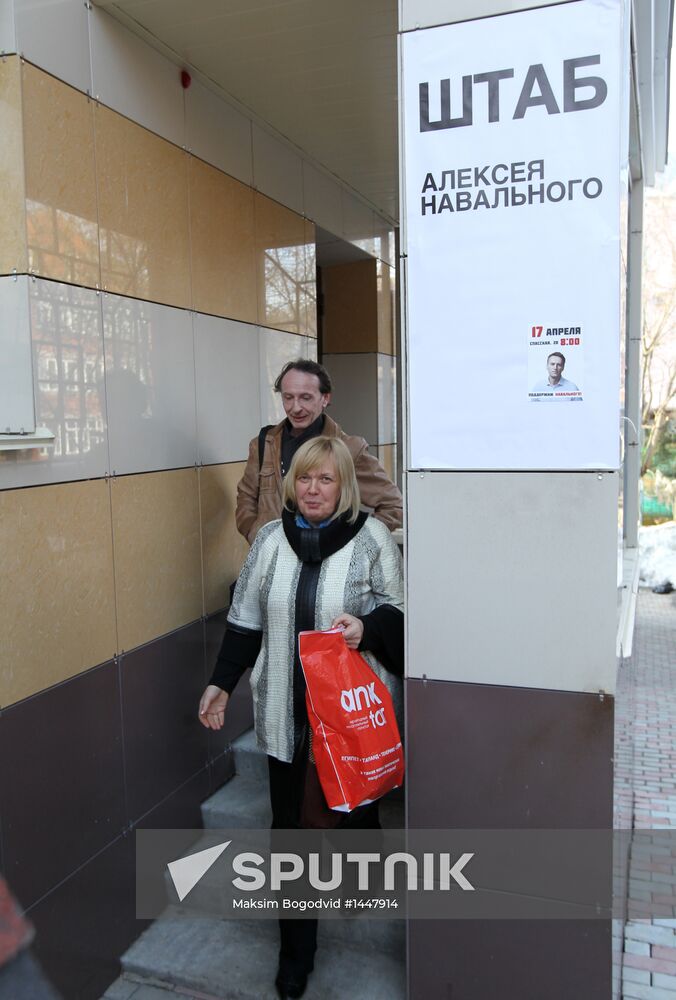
x=659, y=319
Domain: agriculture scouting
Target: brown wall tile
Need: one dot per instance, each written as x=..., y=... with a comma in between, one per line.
x=66, y=748
x=222, y=244
x=239, y=716
x=158, y=572
x=87, y=922
x=350, y=320
x=12, y=207
x=511, y=757
x=386, y=290
x=387, y=453
x=61, y=208
x=223, y=548
x=164, y=742
x=56, y=585
x=180, y=812
x=509, y=959
x=143, y=212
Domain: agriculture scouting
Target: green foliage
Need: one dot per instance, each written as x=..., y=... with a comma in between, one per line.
x=664, y=457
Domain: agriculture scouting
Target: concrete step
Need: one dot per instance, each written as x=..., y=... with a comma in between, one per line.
x=244, y=802
x=237, y=960
x=250, y=760
x=132, y=987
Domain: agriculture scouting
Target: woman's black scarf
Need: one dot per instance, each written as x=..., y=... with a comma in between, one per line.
x=312, y=545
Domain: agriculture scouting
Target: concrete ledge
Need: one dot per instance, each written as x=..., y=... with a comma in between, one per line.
x=627, y=610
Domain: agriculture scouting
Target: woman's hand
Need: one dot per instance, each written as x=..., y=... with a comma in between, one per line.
x=353, y=629
x=212, y=707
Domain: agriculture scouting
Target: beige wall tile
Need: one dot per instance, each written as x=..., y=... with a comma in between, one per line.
x=222, y=244
x=350, y=321
x=385, y=278
x=223, y=548
x=387, y=453
x=12, y=213
x=143, y=212
x=56, y=585
x=156, y=538
x=310, y=328
x=280, y=266
x=61, y=210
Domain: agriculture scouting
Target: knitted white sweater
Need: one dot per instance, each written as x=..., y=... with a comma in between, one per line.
x=364, y=574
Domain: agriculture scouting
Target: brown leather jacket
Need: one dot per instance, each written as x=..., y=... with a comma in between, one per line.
x=259, y=494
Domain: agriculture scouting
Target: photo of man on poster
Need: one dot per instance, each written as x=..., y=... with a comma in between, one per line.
x=555, y=382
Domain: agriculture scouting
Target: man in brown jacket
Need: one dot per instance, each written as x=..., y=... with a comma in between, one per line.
x=305, y=387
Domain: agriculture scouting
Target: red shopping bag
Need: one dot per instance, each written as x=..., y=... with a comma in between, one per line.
x=355, y=737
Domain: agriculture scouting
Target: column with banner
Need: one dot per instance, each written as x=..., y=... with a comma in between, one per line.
x=510, y=180
x=511, y=161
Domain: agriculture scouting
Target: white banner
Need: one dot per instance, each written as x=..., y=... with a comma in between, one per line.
x=511, y=180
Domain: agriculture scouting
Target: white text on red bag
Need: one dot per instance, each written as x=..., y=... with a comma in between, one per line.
x=355, y=737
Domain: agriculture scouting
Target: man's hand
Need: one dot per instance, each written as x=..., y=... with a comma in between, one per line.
x=353, y=629
x=212, y=707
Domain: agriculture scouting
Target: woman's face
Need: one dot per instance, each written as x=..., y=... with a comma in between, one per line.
x=317, y=492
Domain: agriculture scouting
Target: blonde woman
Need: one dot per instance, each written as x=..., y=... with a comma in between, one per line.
x=324, y=564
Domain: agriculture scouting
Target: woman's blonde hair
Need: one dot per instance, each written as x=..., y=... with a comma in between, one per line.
x=311, y=456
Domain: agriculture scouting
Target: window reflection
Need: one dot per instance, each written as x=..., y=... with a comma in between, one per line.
x=62, y=245
x=284, y=278
x=290, y=288
x=125, y=263
x=129, y=339
x=68, y=368
x=310, y=288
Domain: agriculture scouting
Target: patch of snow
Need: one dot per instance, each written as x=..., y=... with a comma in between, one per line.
x=657, y=554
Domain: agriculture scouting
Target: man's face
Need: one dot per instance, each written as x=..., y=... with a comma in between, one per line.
x=555, y=366
x=302, y=400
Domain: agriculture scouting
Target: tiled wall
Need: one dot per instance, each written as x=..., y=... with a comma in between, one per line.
x=151, y=282
x=86, y=48
x=109, y=204
x=158, y=248
x=360, y=351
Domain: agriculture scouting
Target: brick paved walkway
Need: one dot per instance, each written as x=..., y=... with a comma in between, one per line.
x=646, y=766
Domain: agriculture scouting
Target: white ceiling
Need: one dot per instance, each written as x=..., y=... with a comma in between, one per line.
x=321, y=72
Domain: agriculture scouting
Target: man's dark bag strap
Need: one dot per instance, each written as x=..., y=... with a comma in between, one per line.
x=261, y=443
x=261, y=451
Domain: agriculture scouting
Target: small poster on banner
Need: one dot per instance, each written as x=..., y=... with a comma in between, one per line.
x=555, y=363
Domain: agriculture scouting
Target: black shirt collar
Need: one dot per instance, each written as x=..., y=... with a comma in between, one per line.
x=291, y=444
x=314, y=430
